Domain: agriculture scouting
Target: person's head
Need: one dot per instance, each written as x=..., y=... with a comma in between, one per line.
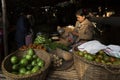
x=81, y=15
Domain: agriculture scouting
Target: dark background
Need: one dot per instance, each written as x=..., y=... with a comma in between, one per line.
x=64, y=14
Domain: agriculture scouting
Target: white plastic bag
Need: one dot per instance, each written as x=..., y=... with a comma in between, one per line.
x=92, y=47
x=113, y=50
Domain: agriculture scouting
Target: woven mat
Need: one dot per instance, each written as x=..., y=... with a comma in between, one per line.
x=69, y=74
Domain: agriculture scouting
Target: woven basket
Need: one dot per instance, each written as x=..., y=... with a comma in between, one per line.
x=40, y=75
x=90, y=70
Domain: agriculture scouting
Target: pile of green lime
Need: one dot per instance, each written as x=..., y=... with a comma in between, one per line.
x=29, y=63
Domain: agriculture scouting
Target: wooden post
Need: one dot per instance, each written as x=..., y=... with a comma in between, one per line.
x=4, y=27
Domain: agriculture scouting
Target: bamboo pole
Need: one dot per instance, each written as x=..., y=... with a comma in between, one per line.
x=4, y=27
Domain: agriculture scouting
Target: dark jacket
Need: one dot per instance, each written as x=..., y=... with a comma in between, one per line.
x=22, y=27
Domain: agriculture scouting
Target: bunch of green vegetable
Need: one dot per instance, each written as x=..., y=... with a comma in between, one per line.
x=40, y=39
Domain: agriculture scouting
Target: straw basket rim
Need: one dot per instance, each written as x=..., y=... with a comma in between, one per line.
x=108, y=67
x=8, y=74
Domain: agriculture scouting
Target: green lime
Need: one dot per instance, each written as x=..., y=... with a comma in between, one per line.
x=28, y=57
x=35, y=56
x=34, y=62
x=35, y=69
x=29, y=67
x=15, y=67
x=28, y=72
x=40, y=63
x=38, y=59
x=14, y=59
x=81, y=53
x=90, y=57
x=22, y=70
x=24, y=61
x=30, y=51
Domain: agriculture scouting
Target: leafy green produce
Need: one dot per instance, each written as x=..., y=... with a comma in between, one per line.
x=40, y=39
x=48, y=43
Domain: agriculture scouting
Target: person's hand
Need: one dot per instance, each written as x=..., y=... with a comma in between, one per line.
x=75, y=33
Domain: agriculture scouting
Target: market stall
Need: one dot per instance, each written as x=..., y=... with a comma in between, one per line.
x=52, y=57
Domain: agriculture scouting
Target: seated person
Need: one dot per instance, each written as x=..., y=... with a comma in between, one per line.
x=84, y=29
x=82, y=32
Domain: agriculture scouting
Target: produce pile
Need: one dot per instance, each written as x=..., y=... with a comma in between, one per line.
x=57, y=61
x=48, y=43
x=42, y=42
x=27, y=64
x=100, y=57
x=33, y=46
x=40, y=39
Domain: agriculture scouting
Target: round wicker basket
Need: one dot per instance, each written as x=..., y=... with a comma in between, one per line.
x=40, y=75
x=90, y=70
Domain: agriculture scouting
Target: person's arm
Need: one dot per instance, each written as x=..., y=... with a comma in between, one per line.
x=86, y=33
x=75, y=32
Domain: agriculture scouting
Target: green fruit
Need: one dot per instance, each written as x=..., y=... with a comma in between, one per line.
x=102, y=61
x=106, y=58
x=90, y=57
x=41, y=63
x=23, y=61
x=29, y=67
x=100, y=56
x=30, y=52
x=97, y=60
x=28, y=72
x=85, y=52
x=81, y=53
x=85, y=56
x=35, y=56
x=108, y=63
x=22, y=70
x=15, y=67
x=14, y=59
x=116, y=62
x=34, y=62
x=101, y=52
x=28, y=57
x=38, y=59
x=35, y=69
